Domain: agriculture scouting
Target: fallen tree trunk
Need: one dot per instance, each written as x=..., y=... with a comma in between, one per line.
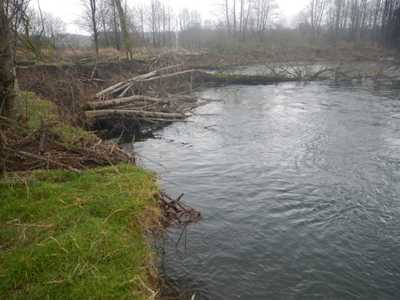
x=162, y=71
x=123, y=101
x=110, y=89
x=223, y=78
x=167, y=76
x=124, y=86
x=130, y=113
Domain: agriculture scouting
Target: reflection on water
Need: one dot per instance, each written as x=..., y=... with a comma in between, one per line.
x=299, y=189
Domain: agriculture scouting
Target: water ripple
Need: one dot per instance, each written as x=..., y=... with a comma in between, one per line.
x=299, y=188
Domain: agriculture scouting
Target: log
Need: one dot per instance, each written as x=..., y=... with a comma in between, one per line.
x=130, y=113
x=169, y=75
x=126, y=90
x=127, y=84
x=110, y=89
x=123, y=101
x=162, y=71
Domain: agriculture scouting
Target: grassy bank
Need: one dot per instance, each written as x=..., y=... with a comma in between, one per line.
x=75, y=235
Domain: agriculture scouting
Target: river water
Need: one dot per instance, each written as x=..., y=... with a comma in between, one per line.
x=299, y=188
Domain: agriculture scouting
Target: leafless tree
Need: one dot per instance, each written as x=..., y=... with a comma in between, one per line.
x=243, y=16
x=264, y=10
x=317, y=9
x=12, y=12
x=155, y=21
x=124, y=28
x=227, y=15
x=356, y=20
x=91, y=12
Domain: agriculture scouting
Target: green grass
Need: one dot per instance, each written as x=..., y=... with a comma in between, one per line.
x=76, y=236
x=37, y=112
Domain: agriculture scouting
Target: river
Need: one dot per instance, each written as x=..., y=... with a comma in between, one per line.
x=299, y=188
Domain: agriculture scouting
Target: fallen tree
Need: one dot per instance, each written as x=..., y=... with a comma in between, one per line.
x=141, y=108
x=123, y=101
x=121, y=89
x=137, y=114
x=146, y=98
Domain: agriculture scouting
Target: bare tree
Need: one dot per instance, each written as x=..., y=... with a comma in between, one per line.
x=375, y=19
x=234, y=17
x=12, y=12
x=124, y=29
x=227, y=16
x=264, y=10
x=155, y=21
x=317, y=13
x=338, y=7
x=184, y=20
x=33, y=31
x=91, y=17
x=190, y=27
x=54, y=27
x=245, y=14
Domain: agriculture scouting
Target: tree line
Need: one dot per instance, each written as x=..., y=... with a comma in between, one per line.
x=353, y=20
x=114, y=23
x=157, y=25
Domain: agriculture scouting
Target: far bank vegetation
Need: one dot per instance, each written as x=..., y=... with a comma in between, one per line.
x=247, y=26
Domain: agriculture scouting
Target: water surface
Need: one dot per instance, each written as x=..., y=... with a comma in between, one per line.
x=299, y=189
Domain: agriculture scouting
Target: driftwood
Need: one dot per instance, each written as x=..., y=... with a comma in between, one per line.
x=175, y=212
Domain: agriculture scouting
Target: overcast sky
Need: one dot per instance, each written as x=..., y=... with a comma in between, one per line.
x=70, y=10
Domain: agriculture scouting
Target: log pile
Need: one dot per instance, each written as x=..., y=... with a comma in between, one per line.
x=143, y=108
x=154, y=97
x=139, y=84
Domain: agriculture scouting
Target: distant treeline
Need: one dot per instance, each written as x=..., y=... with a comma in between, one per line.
x=113, y=23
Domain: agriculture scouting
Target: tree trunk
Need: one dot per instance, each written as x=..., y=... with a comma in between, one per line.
x=130, y=113
x=7, y=67
x=123, y=101
x=124, y=29
x=93, y=13
x=228, y=25
x=117, y=39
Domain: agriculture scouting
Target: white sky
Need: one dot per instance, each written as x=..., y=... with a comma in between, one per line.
x=70, y=10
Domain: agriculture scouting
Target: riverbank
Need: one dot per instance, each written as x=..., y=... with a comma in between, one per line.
x=77, y=150
x=70, y=229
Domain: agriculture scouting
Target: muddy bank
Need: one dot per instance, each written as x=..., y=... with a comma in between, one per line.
x=70, y=86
